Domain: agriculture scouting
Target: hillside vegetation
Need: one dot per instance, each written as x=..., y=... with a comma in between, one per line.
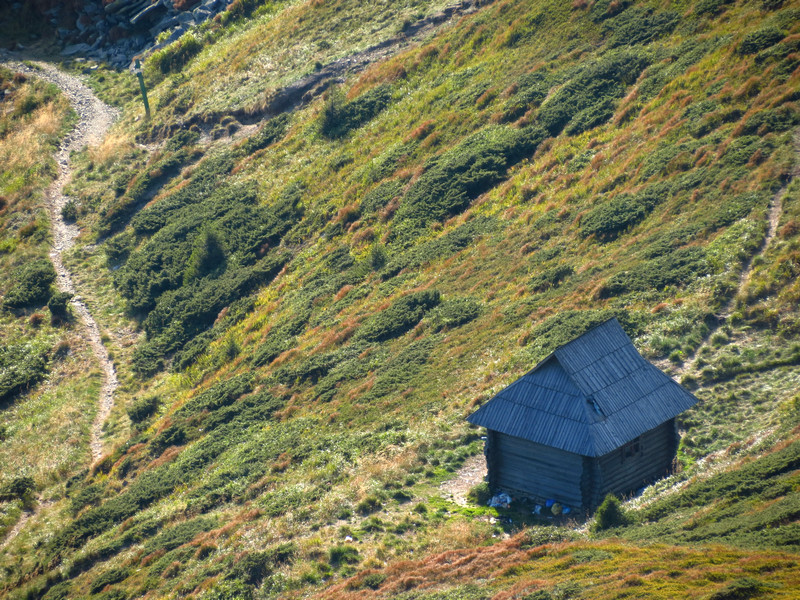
x=325, y=284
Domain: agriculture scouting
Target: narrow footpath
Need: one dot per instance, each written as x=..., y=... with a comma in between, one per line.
x=95, y=118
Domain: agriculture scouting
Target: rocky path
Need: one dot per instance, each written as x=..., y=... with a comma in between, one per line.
x=773, y=218
x=469, y=475
x=95, y=118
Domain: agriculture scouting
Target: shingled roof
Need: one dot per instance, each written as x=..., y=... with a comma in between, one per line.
x=590, y=396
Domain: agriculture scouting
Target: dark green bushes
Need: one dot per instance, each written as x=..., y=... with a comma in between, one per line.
x=640, y=25
x=550, y=278
x=441, y=247
x=401, y=316
x=608, y=220
x=31, y=285
x=681, y=266
x=179, y=534
x=18, y=488
x=610, y=514
x=587, y=100
x=21, y=366
x=271, y=132
x=759, y=40
x=340, y=117
x=451, y=181
x=253, y=567
x=175, y=56
x=740, y=589
x=770, y=120
x=281, y=337
x=760, y=479
x=454, y=313
x=399, y=370
x=143, y=408
x=109, y=577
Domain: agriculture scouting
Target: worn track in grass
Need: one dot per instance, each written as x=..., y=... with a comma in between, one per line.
x=95, y=118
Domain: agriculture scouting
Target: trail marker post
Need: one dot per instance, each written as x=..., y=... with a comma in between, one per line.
x=137, y=68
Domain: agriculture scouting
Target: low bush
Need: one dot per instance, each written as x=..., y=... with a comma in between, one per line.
x=179, y=534
x=143, y=408
x=740, y=589
x=343, y=554
x=109, y=577
x=480, y=494
x=21, y=366
x=18, y=488
x=640, y=25
x=454, y=313
x=175, y=56
x=452, y=180
x=610, y=514
x=402, y=315
x=253, y=567
x=610, y=219
x=680, y=267
x=441, y=247
x=759, y=40
x=339, y=117
x=31, y=284
x=58, y=305
x=269, y=133
x=550, y=278
x=587, y=99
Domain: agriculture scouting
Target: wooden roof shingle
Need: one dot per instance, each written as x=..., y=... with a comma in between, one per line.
x=590, y=396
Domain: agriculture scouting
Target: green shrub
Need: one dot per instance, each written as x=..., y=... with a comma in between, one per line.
x=21, y=366
x=451, y=181
x=640, y=25
x=253, y=567
x=402, y=315
x=680, y=267
x=269, y=133
x=610, y=514
x=550, y=278
x=109, y=577
x=587, y=99
x=369, y=505
x=179, y=534
x=770, y=120
x=58, y=305
x=17, y=488
x=143, y=408
x=175, y=56
x=343, y=554
x=454, y=313
x=379, y=196
x=712, y=7
x=759, y=40
x=480, y=494
x=441, y=247
x=340, y=117
x=610, y=219
x=31, y=284
x=207, y=257
x=69, y=212
x=740, y=589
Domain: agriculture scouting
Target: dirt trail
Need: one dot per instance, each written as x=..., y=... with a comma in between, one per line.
x=773, y=218
x=95, y=118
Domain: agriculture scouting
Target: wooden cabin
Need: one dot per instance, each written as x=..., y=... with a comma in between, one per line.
x=592, y=418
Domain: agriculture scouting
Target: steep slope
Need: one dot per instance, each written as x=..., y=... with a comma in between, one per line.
x=327, y=288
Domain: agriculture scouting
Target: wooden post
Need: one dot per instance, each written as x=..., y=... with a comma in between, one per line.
x=138, y=70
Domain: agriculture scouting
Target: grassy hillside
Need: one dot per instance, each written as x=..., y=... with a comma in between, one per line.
x=44, y=387
x=325, y=288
